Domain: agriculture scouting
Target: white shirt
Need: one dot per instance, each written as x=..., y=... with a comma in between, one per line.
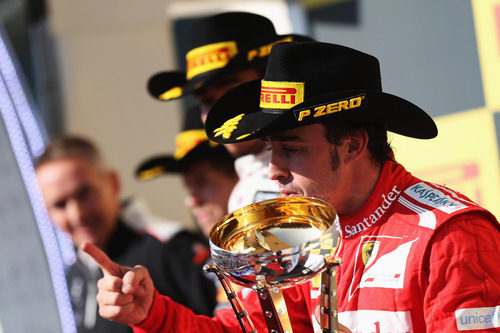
x=254, y=185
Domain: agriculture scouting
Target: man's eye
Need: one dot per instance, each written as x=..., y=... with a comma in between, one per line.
x=60, y=204
x=84, y=193
x=290, y=149
x=206, y=101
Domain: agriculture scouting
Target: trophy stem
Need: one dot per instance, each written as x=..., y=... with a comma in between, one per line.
x=238, y=309
x=328, y=320
x=273, y=305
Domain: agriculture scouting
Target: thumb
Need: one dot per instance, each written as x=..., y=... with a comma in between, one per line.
x=108, y=266
x=137, y=281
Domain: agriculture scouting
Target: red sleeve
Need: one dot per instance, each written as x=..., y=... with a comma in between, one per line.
x=463, y=276
x=169, y=316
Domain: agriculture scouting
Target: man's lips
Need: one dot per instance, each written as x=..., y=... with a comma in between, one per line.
x=204, y=216
x=287, y=193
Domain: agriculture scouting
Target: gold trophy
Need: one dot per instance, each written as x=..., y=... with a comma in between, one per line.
x=275, y=244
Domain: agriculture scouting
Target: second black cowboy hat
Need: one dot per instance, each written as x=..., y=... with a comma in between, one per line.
x=191, y=146
x=220, y=45
x=311, y=82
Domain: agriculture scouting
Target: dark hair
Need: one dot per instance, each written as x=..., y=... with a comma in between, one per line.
x=378, y=145
x=69, y=146
x=218, y=158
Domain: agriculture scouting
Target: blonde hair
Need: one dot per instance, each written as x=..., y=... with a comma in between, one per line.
x=70, y=146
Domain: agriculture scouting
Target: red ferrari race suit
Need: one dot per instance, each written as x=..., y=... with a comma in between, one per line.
x=417, y=257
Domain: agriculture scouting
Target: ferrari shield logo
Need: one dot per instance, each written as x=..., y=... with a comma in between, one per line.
x=369, y=251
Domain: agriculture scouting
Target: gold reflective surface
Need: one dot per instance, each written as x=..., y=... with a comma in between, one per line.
x=278, y=242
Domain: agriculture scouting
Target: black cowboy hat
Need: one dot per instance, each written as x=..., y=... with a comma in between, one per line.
x=220, y=45
x=310, y=82
x=191, y=146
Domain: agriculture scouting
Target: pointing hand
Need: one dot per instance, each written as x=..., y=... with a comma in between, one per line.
x=125, y=294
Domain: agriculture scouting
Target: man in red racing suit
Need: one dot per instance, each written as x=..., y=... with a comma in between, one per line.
x=417, y=257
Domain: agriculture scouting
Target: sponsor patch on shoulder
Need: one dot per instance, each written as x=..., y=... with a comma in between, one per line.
x=478, y=318
x=430, y=196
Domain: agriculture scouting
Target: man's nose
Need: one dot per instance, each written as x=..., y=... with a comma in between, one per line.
x=204, y=108
x=277, y=170
x=192, y=200
x=75, y=211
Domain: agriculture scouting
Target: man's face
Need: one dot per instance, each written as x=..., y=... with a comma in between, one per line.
x=209, y=189
x=80, y=198
x=213, y=91
x=304, y=163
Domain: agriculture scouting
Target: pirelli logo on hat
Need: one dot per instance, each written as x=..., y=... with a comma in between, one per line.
x=185, y=141
x=281, y=95
x=323, y=110
x=209, y=57
x=265, y=50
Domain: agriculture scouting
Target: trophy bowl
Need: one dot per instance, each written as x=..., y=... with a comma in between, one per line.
x=278, y=242
x=275, y=244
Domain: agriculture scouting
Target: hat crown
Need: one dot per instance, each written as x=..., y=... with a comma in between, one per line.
x=323, y=68
x=240, y=27
x=312, y=82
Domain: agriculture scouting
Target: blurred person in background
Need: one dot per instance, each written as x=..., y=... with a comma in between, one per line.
x=227, y=50
x=207, y=170
x=82, y=196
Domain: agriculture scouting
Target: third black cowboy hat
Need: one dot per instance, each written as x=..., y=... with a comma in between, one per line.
x=220, y=45
x=311, y=82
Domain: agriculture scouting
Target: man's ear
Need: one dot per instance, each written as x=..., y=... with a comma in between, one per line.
x=356, y=145
x=114, y=179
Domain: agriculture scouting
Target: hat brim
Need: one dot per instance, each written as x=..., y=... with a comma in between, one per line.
x=165, y=81
x=156, y=166
x=162, y=82
x=396, y=114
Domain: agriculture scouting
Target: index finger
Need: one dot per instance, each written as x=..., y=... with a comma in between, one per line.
x=108, y=266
